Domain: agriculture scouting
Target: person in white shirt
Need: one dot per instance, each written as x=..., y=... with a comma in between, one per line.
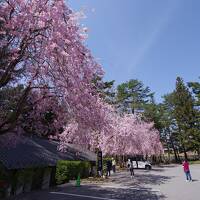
x=113, y=165
x=132, y=169
x=128, y=164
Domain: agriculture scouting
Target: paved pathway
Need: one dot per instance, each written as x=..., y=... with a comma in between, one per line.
x=161, y=183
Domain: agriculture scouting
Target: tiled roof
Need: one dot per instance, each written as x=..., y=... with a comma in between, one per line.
x=37, y=152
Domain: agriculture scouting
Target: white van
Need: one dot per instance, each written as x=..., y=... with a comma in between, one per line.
x=142, y=165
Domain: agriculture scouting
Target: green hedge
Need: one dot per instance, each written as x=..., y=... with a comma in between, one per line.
x=69, y=170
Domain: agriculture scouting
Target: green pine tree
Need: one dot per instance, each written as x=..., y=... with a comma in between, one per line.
x=185, y=116
x=133, y=95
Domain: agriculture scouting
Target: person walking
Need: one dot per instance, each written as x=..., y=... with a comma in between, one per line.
x=113, y=165
x=131, y=169
x=128, y=164
x=108, y=167
x=186, y=169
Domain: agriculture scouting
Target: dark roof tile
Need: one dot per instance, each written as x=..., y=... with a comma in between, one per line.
x=38, y=152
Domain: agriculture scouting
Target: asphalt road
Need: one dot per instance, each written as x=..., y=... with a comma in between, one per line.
x=161, y=183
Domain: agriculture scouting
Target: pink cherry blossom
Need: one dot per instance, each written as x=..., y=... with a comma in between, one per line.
x=47, y=43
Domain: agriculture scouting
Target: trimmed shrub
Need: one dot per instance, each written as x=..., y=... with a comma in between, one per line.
x=69, y=170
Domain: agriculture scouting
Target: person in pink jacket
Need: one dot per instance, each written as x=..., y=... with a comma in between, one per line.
x=187, y=170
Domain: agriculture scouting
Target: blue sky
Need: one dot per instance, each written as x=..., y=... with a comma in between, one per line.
x=151, y=40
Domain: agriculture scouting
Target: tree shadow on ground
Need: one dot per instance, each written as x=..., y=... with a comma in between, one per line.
x=140, y=179
x=150, y=179
x=155, y=170
x=118, y=193
x=92, y=191
x=167, y=165
x=119, y=187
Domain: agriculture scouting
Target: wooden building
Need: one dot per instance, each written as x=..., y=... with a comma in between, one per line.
x=31, y=164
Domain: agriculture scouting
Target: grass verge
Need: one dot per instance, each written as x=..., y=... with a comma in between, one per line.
x=195, y=162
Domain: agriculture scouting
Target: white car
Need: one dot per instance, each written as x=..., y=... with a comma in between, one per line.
x=142, y=165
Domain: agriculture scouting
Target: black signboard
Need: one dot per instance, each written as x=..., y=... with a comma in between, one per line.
x=99, y=161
